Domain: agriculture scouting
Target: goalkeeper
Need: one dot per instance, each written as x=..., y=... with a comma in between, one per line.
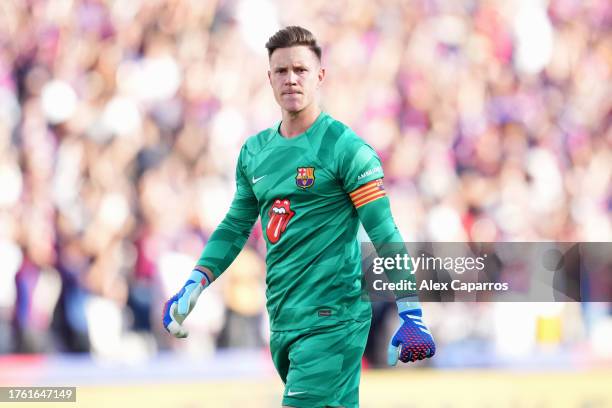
x=312, y=181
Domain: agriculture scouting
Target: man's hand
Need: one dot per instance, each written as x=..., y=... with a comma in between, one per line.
x=180, y=305
x=412, y=341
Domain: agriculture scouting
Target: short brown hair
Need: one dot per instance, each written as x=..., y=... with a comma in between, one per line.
x=292, y=36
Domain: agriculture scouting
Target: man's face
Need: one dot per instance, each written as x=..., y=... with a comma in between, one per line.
x=295, y=75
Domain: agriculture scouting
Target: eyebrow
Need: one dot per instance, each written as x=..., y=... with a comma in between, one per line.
x=295, y=65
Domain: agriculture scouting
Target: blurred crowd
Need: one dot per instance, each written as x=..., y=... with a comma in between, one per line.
x=121, y=122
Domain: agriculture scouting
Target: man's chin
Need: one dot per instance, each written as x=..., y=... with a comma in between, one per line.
x=293, y=109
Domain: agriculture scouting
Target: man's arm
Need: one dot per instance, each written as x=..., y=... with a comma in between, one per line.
x=229, y=238
x=222, y=248
x=413, y=340
x=361, y=174
x=374, y=212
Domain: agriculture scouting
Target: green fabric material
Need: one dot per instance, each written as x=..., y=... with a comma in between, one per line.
x=378, y=222
x=321, y=367
x=309, y=223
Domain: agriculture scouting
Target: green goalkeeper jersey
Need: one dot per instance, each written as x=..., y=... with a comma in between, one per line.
x=301, y=188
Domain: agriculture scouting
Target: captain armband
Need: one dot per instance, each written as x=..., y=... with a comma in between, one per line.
x=367, y=193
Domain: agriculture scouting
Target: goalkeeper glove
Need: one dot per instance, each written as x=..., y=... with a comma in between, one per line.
x=412, y=341
x=180, y=305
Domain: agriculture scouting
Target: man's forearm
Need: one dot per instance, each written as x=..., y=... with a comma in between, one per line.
x=378, y=222
x=224, y=245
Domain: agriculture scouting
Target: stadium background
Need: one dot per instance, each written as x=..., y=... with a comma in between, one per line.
x=120, y=124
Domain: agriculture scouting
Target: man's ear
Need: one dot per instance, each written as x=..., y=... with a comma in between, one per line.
x=321, y=75
x=270, y=77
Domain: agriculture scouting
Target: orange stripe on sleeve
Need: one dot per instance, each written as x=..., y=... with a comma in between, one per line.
x=366, y=186
x=369, y=199
x=367, y=193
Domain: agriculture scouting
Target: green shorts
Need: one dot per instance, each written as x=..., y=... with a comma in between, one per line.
x=321, y=366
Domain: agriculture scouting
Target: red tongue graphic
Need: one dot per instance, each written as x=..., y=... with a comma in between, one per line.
x=275, y=228
x=278, y=220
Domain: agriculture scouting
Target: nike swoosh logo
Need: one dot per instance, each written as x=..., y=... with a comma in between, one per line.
x=291, y=394
x=255, y=180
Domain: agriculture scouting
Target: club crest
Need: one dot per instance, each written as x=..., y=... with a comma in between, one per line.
x=305, y=177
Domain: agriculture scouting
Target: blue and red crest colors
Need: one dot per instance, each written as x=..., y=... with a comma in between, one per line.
x=305, y=177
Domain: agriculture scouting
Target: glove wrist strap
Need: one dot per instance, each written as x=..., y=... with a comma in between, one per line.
x=407, y=304
x=199, y=277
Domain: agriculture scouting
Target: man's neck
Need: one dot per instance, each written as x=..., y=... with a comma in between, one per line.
x=295, y=124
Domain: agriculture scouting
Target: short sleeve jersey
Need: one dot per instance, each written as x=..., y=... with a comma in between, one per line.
x=300, y=187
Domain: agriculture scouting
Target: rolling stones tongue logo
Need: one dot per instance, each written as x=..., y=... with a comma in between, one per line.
x=280, y=214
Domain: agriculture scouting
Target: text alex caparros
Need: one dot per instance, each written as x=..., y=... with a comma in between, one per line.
x=411, y=264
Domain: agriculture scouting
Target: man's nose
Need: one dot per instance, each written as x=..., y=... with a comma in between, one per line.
x=291, y=77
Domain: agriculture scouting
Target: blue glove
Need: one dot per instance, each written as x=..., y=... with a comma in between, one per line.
x=412, y=341
x=180, y=305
